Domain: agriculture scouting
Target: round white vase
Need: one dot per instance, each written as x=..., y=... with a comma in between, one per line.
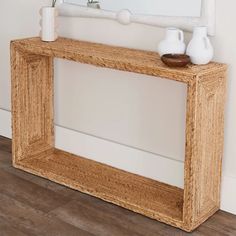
x=48, y=24
x=173, y=42
x=200, y=49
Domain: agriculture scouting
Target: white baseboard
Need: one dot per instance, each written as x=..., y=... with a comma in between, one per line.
x=5, y=123
x=130, y=159
x=228, y=194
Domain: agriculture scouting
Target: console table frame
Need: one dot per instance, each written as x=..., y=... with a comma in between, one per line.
x=33, y=131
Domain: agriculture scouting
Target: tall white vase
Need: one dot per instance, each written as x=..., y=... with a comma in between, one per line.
x=200, y=49
x=173, y=42
x=48, y=24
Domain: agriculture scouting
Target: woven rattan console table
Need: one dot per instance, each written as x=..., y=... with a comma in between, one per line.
x=33, y=131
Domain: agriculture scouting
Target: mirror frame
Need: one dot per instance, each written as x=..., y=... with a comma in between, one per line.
x=126, y=17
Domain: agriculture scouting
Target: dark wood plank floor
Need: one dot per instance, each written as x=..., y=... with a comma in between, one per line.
x=30, y=205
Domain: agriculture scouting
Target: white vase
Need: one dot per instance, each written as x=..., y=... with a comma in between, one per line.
x=200, y=49
x=48, y=24
x=173, y=42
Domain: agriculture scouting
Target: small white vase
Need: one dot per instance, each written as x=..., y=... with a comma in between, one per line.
x=173, y=42
x=48, y=24
x=200, y=49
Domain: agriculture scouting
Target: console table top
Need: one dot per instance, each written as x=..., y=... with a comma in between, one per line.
x=119, y=58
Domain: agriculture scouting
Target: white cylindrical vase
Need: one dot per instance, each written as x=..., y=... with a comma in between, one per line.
x=48, y=24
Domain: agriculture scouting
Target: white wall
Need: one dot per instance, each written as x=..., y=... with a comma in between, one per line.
x=130, y=98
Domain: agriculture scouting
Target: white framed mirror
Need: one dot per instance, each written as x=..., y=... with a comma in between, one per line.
x=184, y=14
x=150, y=7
